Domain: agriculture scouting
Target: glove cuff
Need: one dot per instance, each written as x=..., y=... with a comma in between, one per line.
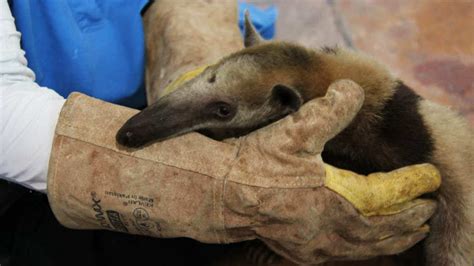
x=167, y=189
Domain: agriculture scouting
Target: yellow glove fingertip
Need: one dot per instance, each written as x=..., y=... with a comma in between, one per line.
x=383, y=193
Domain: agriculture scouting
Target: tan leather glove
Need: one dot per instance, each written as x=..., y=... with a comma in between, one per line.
x=271, y=185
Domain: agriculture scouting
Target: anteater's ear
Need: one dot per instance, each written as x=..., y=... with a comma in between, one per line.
x=251, y=36
x=287, y=97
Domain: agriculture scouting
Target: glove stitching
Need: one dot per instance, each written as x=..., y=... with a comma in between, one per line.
x=224, y=185
x=55, y=163
x=134, y=156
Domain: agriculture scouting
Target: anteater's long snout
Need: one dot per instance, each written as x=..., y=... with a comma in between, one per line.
x=159, y=121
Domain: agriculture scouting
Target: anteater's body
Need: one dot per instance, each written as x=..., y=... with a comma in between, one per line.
x=394, y=128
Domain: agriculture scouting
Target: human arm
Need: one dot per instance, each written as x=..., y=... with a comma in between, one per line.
x=28, y=113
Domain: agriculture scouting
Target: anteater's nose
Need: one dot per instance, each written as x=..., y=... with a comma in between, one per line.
x=128, y=138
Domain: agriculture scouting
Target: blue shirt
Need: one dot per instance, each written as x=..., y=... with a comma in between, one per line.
x=95, y=46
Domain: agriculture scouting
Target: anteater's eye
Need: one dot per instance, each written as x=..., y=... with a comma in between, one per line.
x=212, y=79
x=223, y=110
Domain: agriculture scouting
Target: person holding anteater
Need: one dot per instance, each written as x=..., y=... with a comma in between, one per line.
x=270, y=185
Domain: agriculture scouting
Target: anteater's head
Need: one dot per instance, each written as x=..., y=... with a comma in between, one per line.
x=242, y=92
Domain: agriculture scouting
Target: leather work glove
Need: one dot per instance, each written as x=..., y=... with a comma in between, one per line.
x=270, y=185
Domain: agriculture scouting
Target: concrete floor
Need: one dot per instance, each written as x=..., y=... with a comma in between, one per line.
x=429, y=44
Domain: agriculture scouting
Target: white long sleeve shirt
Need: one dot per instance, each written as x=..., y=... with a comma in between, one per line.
x=28, y=112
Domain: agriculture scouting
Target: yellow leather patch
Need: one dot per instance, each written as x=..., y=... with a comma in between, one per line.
x=183, y=79
x=384, y=193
